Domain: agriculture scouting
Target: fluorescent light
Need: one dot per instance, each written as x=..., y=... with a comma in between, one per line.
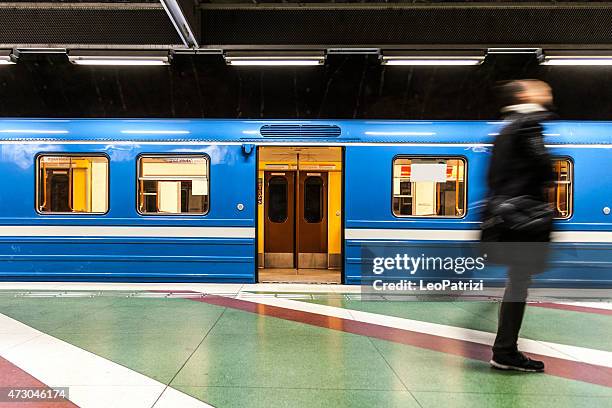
x=39, y=50
x=568, y=58
x=119, y=57
x=430, y=58
x=432, y=61
x=111, y=61
x=577, y=61
x=7, y=57
x=277, y=63
x=275, y=58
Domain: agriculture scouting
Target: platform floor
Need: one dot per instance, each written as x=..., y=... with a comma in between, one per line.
x=290, y=346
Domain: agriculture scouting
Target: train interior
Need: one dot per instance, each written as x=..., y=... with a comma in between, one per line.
x=72, y=184
x=299, y=198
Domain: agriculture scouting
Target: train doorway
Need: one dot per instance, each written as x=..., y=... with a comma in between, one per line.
x=299, y=214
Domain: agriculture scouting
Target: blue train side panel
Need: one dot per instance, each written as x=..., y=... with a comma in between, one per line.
x=372, y=229
x=373, y=217
x=122, y=244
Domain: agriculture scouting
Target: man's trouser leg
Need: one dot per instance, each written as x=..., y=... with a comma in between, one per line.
x=511, y=311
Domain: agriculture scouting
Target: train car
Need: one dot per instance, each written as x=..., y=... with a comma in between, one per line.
x=272, y=200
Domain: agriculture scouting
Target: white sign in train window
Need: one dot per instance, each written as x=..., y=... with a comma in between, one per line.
x=432, y=172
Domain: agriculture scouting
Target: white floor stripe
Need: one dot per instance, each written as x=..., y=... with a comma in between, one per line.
x=93, y=381
x=594, y=305
x=566, y=352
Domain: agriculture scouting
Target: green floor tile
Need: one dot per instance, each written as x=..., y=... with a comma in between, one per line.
x=141, y=315
x=50, y=313
x=275, y=360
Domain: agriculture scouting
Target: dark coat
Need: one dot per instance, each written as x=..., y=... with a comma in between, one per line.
x=520, y=163
x=520, y=166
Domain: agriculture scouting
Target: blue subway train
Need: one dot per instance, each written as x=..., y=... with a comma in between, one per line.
x=274, y=200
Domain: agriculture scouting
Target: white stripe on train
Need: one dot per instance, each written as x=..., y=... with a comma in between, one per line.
x=462, y=235
x=125, y=231
x=249, y=232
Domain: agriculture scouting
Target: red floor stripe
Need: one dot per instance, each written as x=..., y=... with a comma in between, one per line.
x=573, y=308
x=13, y=376
x=554, y=366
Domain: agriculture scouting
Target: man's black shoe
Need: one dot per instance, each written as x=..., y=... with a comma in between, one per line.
x=517, y=361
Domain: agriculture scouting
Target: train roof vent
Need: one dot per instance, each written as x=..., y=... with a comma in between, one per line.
x=300, y=131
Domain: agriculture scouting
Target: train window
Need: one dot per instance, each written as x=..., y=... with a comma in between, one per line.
x=173, y=185
x=313, y=199
x=277, y=200
x=72, y=184
x=560, y=196
x=429, y=187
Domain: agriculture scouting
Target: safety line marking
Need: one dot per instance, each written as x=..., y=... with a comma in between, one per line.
x=561, y=360
x=606, y=305
x=573, y=308
x=93, y=381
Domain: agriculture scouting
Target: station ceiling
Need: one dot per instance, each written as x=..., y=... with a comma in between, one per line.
x=354, y=26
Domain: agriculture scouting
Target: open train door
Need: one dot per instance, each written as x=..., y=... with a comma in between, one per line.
x=279, y=219
x=312, y=228
x=299, y=217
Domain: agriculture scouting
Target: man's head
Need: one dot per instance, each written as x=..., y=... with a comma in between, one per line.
x=527, y=91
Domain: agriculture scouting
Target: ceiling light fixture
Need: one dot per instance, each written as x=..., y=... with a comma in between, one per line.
x=577, y=58
x=424, y=58
x=514, y=50
x=7, y=57
x=119, y=57
x=274, y=58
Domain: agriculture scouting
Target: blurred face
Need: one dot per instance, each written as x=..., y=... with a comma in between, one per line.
x=536, y=92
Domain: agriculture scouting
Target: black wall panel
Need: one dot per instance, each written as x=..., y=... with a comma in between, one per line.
x=83, y=25
x=514, y=25
x=346, y=87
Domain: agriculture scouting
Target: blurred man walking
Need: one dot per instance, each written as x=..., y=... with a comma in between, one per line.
x=517, y=213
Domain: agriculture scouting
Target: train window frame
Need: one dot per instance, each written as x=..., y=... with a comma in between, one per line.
x=37, y=180
x=463, y=158
x=570, y=162
x=172, y=155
